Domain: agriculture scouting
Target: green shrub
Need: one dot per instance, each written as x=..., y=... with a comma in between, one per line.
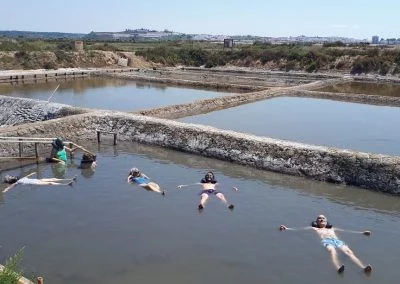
x=49, y=65
x=384, y=68
x=313, y=66
x=69, y=46
x=12, y=269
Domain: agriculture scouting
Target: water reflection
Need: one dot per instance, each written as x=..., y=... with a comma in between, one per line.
x=346, y=195
x=377, y=89
x=71, y=230
x=109, y=93
x=359, y=127
x=77, y=85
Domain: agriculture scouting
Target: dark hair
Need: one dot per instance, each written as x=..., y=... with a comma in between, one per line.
x=134, y=172
x=88, y=158
x=10, y=179
x=206, y=180
x=315, y=225
x=58, y=144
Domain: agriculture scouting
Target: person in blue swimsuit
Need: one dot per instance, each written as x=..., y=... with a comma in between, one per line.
x=331, y=242
x=139, y=178
x=26, y=180
x=209, y=184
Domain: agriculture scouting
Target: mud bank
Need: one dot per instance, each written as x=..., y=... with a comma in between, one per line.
x=349, y=97
x=15, y=111
x=377, y=172
x=209, y=105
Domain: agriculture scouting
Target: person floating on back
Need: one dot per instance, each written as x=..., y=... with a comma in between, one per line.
x=13, y=181
x=331, y=242
x=136, y=176
x=209, y=184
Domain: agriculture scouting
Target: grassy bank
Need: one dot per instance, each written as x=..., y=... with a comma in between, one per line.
x=357, y=59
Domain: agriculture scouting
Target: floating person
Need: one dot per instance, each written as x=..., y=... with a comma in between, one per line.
x=331, y=242
x=209, y=184
x=59, y=151
x=136, y=176
x=14, y=180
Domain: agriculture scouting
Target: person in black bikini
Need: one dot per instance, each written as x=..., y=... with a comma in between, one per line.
x=209, y=184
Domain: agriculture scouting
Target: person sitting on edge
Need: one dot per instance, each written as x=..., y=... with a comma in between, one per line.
x=136, y=176
x=209, y=184
x=59, y=151
x=331, y=242
x=13, y=181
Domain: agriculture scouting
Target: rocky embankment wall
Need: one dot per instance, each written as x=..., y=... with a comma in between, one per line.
x=378, y=172
x=15, y=111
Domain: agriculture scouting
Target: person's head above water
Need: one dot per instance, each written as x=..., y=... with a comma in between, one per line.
x=58, y=144
x=321, y=221
x=88, y=158
x=10, y=179
x=134, y=172
x=209, y=176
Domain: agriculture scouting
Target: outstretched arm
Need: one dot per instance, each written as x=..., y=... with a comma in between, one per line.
x=284, y=228
x=184, y=185
x=71, y=150
x=31, y=174
x=366, y=233
x=9, y=187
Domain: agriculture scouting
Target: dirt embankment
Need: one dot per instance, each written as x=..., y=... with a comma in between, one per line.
x=61, y=59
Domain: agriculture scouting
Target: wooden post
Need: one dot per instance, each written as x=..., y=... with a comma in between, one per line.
x=20, y=147
x=71, y=154
x=40, y=280
x=36, y=150
x=115, y=138
x=98, y=136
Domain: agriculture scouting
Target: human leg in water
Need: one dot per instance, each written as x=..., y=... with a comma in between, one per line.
x=221, y=197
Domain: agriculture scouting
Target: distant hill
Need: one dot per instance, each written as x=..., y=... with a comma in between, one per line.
x=40, y=35
x=166, y=35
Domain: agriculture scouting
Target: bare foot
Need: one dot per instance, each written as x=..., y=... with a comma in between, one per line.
x=341, y=269
x=368, y=269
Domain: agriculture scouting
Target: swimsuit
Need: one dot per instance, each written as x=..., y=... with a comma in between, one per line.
x=336, y=243
x=209, y=191
x=26, y=180
x=140, y=180
x=62, y=155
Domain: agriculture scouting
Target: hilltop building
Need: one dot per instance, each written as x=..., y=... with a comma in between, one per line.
x=375, y=39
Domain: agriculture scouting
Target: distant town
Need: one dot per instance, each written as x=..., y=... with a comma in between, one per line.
x=153, y=35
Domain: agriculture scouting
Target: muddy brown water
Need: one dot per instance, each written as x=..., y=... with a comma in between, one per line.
x=113, y=94
x=377, y=89
x=103, y=230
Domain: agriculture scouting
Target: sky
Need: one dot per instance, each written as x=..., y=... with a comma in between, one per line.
x=360, y=19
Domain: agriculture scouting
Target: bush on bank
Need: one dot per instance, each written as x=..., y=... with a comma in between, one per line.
x=336, y=56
